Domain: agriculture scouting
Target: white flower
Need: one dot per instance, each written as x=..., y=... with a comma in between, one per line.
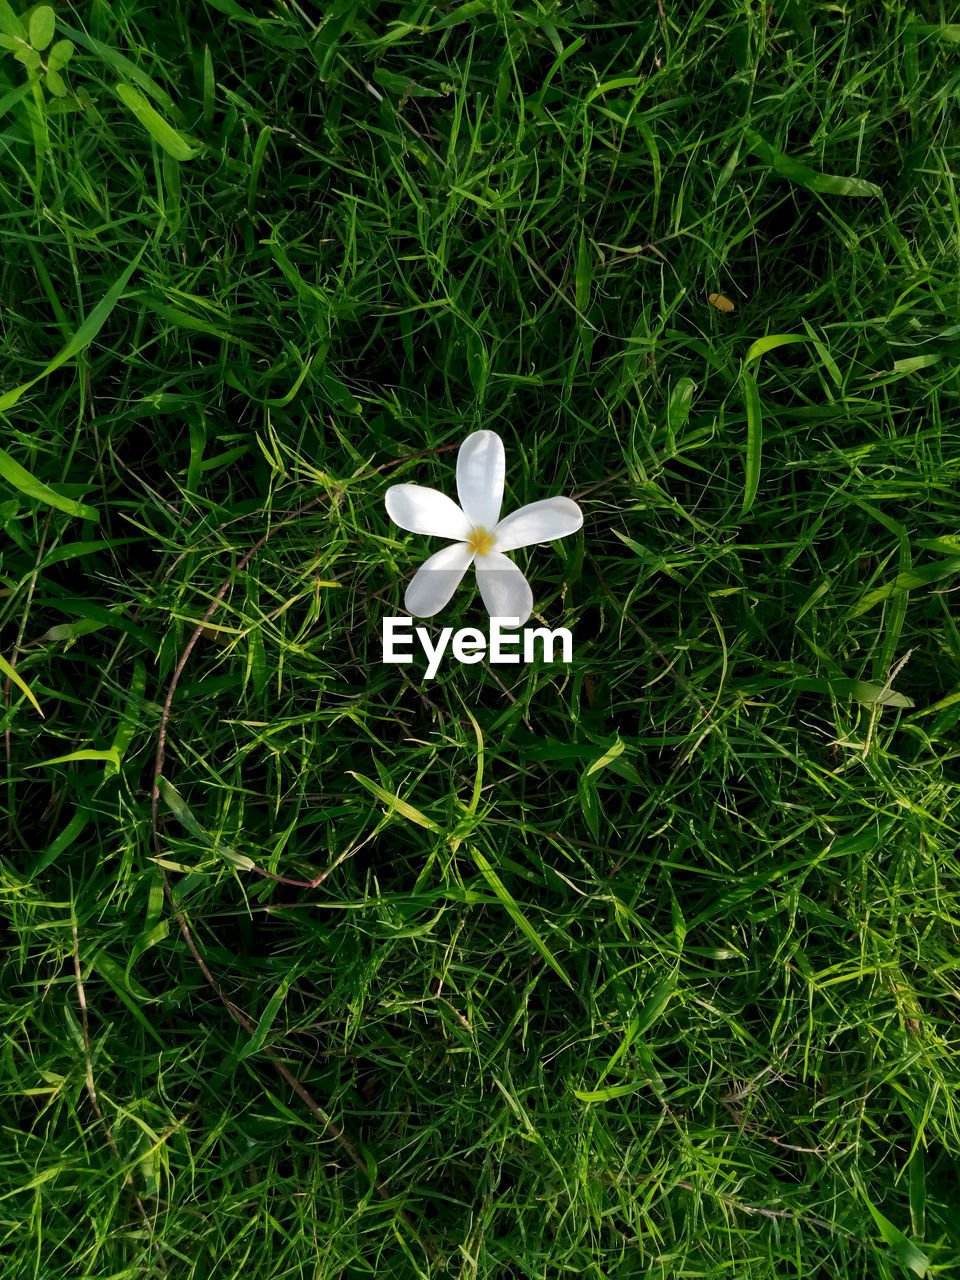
x=481, y=537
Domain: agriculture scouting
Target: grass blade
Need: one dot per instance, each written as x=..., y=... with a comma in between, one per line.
x=795, y=171
x=21, y=479
x=163, y=133
x=11, y=674
x=754, y=449
x=513, y=910
x=86, y=333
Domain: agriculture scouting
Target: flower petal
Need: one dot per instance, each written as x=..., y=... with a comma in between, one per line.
x=436, y=580
x=504, y=589
x=480, y=471
x=538, y=522
x=422, y=510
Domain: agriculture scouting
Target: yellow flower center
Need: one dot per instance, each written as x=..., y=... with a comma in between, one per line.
x=480, y=542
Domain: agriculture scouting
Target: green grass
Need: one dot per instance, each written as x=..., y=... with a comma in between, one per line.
x=691, y=1013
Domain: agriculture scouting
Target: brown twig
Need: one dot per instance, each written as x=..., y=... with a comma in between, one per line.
x=328, y=1124
x=409, y=457
x=198, y=631
x=806, y=1219
x=685, y=685
x=654, y=648
x=17, y=646
x=534, y=266
x=95, y=1102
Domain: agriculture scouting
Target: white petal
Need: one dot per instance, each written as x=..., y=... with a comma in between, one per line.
x=436, y=580
x=538, y=522
x=422, y=510
x=504, y=589
x=480, y=471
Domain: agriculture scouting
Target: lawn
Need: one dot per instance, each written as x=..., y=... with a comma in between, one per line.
x=642, y=965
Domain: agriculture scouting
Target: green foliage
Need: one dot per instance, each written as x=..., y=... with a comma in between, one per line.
x=645, y=967
x=28, y=40
x=43, y=23
x=171, y=140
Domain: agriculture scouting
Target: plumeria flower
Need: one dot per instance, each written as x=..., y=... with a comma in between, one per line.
x=479, y=536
